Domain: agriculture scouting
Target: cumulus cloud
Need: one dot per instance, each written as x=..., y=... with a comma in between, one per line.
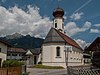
x=98, y=25
x=82, y=43
x=17, y=20
x=71, y=28
x=76, y=16
x=94, y=31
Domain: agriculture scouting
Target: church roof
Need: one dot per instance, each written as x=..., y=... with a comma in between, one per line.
x=55, y=36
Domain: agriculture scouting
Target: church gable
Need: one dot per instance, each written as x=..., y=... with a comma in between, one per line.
x=53, y=37
x=68, y=40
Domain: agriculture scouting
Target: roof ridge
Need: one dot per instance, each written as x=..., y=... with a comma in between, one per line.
x=68, y=38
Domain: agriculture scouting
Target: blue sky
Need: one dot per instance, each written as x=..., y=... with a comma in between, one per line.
x=34, y=17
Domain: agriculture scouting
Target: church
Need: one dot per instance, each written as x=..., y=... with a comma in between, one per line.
x=58, y=47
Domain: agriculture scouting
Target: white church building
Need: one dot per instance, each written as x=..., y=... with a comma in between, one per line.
x=56, y=42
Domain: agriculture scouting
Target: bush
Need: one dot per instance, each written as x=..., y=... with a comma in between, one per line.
x=96, y=59
x=25, y=73
x=12, y=63
x=40, y=62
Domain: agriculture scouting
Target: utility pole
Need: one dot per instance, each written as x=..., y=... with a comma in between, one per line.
x=66, y=50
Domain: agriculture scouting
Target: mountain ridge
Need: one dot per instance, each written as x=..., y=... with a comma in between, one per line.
x=25, y=42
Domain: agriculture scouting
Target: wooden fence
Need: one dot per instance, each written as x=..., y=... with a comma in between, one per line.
x=10, y=71
x=83, y=70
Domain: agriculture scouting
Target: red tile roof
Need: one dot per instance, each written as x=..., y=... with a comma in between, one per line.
x=55, y=36
x=68, y=40
x=17, y=50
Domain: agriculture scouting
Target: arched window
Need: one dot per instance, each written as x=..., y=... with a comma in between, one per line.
x=57, y=51
x=55, y=25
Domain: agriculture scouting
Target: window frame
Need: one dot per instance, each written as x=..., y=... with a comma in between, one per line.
x=58, y=52
x=0, y=49
x=55, y=25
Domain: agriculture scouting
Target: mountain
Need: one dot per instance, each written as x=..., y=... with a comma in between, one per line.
x=25, y=42
x=13, y=36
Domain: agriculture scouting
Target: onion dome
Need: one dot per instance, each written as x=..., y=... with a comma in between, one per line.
x=58, y=12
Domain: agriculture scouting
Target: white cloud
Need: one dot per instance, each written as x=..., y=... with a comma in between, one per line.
x=82, y=43
x=94, y=31
x=98, y=25
x=76, y=16
x=17, y=20
x=71, y=28
x=86, y=26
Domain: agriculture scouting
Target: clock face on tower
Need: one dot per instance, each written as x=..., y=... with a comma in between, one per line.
x=55, y=20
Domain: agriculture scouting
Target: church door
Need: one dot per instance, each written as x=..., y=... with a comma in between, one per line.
x=35, y=59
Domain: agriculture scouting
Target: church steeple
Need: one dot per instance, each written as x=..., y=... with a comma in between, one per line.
x=58, y=19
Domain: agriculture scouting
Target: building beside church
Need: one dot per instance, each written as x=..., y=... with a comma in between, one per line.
x=3, y=51
x=33, y=56
x=56, y=41
x=15, y=53
x=93, y=47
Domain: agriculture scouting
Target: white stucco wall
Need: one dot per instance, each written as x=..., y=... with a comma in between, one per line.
x=60, y=23
x=49, y=56
x=49, y=53
x=31, y=61
x=39, y=57
x=3, y=53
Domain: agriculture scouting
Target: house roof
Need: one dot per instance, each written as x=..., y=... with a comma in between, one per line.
x=94, y=46
x=57, y=36
x=5, y=42
x=33, y=51
x=29, y=52
x=16, y=50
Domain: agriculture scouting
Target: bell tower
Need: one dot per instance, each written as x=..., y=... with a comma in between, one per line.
x=58, y=22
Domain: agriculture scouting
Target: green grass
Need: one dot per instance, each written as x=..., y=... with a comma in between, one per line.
x=25, y=73
x=47, y=67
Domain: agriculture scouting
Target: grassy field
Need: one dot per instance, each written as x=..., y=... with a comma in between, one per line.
x=47, y=67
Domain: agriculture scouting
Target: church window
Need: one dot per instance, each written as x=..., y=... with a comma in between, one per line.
x=58, y=51
x=55, y=25
x=0, y=49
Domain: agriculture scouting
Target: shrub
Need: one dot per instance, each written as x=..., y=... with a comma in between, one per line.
x=25, y=73
x=12, y=63
x=40, y=62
